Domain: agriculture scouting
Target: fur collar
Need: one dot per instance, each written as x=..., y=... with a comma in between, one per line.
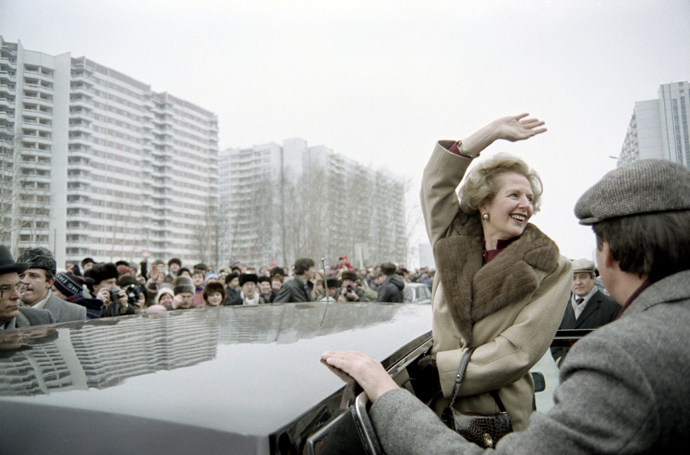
x=473, y=292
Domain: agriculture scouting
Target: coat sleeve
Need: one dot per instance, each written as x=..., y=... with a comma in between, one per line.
x=441, y=177
x=510, y=355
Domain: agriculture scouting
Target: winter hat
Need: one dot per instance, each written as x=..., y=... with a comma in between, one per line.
x=247, y=277
x=101, y=272
x=39, y=258
x=349, y=275
x=162, y=291
x=183, y=284
x=69, y=284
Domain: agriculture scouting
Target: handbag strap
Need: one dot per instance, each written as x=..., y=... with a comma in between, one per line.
x=461, y=375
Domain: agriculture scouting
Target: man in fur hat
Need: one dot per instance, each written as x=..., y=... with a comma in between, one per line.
x=104, y=277
x=249, y=291
x=183, y=288
x=352, y=289
x=12, y=316
x=39, y=279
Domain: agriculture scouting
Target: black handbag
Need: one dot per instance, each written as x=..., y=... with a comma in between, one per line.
x=483, y=430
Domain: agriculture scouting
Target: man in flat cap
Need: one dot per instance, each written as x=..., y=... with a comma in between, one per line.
x=588, y=307
x=39, y=278
x=12, y=315
x=624, y=387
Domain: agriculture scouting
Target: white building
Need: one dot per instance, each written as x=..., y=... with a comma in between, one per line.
x=97, y=164
x=659, y=128
x=291, y=201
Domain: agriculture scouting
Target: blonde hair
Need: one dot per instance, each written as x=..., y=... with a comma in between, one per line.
x=479, y=185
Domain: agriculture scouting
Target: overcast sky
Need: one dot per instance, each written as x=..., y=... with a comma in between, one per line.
x=381, y=81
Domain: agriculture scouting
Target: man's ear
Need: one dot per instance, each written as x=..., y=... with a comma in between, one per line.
x=607, y=255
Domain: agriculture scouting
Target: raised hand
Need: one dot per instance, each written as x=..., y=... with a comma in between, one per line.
x=518, y=127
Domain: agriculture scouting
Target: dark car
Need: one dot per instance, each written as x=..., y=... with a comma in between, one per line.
x=243, y=380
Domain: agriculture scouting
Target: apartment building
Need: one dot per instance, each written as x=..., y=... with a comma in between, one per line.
x=294, y=200
x=659, y=127
x=95, y=163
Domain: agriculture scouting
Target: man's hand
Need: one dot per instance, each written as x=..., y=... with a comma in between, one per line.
x=368, y=373
x=104, y=295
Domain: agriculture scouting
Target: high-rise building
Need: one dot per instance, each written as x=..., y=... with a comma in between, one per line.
x=659, y=128
x=291, y=201
x=95, y=163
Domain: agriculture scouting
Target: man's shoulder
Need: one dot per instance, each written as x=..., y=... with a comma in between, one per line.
x=65, y=311
x=28, y=316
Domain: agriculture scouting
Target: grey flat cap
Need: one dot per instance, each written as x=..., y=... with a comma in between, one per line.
x=583, y=265
x=645, y=186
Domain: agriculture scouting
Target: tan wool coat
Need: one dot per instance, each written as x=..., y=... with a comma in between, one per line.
x=508, y=309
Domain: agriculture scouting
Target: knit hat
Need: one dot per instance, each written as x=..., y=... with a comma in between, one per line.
x=183, y=284
x=645, y=186
x=39, y=258
x=101, y=272
x=69, y=284
x=247, y=277
x=160, y=293
x=583, y=265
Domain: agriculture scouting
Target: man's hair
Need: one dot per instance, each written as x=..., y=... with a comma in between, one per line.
x=653, y=244
x=174, y=261
x=302, y=265
x=198, y=272
x=263, y=278
x=87, y=261
x=388, y=268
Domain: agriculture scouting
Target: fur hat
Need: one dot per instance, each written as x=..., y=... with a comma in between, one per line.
x=247, y=277
x=349, y=275
x=183, y=284
x=39, y=258
x=645, y=186
x=101, y=272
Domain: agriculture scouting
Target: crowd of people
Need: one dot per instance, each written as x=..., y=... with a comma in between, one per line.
x=90, y=289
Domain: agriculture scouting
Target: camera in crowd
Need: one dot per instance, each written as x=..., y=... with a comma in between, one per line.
x=350, y=288
x=132, y=291
x=114, y=294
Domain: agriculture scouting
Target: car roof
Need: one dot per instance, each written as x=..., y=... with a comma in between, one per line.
x=243, y=370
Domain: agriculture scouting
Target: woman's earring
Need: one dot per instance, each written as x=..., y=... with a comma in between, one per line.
x=485, y=216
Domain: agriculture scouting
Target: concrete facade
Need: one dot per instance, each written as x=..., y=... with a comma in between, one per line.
x=107, y=167
x=659, y=128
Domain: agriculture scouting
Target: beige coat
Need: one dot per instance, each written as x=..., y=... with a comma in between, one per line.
x=509, y=309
